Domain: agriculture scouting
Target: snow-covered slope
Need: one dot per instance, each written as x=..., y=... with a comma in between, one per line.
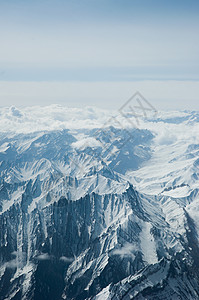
x=94, y=211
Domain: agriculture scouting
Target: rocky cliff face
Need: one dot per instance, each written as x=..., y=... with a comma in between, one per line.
x=74, y=227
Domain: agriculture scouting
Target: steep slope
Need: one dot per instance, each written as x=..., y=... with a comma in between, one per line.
x=73, y=225
x=74, y=249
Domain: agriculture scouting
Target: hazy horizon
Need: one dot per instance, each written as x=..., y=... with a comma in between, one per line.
x=99, y=53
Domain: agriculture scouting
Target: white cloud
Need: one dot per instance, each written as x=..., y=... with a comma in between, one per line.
x=66, y=259
x=44, y=256
x=57, y=117
x=18, y=261
x=166, y=137
x=12, y=264
x=126, y=250
x=53, y=117
x=86, y=142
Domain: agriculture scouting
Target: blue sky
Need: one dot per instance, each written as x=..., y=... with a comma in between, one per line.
x=98, y=41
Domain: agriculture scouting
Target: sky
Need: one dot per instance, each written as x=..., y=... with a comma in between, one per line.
x=99, y=53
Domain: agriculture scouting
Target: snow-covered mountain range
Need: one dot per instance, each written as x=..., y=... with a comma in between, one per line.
x=92, y=207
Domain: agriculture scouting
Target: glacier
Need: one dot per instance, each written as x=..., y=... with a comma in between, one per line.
x=94, y=212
